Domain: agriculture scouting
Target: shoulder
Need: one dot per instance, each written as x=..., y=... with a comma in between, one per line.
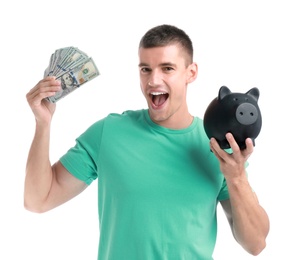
x=128, y=114
x=200, y=126
x=125, y=117
x=117, y=119
x=199, y=120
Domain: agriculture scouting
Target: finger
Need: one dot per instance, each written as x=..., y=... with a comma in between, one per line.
x=45, y=83
x=249, y=146
x=213, y=144
x=45, y=88
x=237, y=152
x=212, y=148
x=232, y=142
x=42, y=82
x=216, y=149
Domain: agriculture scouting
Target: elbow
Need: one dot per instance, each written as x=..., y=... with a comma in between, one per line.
x=257, y=248
x=33, y=207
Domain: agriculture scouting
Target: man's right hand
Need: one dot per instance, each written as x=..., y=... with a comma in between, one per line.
x=43, y=109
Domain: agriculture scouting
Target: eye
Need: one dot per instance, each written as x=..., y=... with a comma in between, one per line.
x=168, y=69
x=145, y=69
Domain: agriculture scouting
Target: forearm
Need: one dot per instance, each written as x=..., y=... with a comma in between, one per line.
x=39, y=175
x=250, y=221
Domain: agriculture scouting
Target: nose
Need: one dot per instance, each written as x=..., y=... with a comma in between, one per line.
x=247, y=114
x=155, y=79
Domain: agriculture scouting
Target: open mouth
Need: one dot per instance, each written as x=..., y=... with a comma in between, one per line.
x=158, y=98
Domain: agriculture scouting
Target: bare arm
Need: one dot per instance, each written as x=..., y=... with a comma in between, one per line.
x=248, y=220
x=46, y=186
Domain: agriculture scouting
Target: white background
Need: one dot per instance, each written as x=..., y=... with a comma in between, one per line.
x=240, y=44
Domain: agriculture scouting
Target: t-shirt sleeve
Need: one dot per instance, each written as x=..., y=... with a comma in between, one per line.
x=81, y=160
x=223, y=195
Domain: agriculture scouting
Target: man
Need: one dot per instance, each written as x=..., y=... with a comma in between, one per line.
x=158, y=182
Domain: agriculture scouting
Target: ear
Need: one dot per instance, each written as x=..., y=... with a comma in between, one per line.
x=223, y=91
x=192, y=72
x=254, y=92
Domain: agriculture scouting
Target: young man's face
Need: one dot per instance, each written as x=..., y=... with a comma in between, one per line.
x=164, y=76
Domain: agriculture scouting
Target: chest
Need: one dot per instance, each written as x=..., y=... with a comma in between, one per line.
x=157, y=168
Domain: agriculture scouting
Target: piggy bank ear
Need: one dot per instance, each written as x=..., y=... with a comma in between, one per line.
x=254, y=92
x=223, y=91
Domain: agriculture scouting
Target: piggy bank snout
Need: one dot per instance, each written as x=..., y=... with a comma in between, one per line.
x=247, y=114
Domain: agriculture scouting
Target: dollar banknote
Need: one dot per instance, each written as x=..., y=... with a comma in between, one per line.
x=73, y=68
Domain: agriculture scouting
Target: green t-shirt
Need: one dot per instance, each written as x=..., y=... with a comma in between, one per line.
x=158, y=188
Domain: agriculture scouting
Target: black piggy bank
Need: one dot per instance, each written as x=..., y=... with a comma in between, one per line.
x=237, y=113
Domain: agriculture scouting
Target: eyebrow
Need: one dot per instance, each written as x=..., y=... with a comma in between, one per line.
x=142, y=64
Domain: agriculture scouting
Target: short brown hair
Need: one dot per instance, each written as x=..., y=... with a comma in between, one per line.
x=164, y=35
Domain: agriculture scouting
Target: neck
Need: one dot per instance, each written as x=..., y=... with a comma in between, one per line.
x=175, y=121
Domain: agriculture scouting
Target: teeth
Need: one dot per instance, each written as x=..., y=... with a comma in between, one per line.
x=157, y=93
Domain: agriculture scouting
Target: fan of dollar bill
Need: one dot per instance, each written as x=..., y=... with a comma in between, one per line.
x=73, y=68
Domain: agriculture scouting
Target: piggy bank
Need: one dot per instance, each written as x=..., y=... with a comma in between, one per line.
x=237, y=113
